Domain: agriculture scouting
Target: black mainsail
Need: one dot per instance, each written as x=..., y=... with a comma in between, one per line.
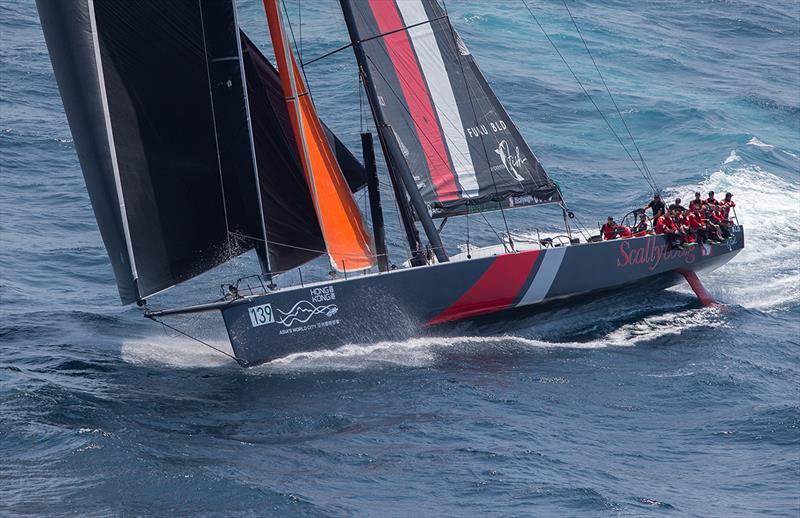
x=183, y=169
x=465, y=153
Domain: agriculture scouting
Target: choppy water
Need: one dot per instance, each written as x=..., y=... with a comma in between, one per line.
x=643, y=404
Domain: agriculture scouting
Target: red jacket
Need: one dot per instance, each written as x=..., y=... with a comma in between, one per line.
x=718, y=218
x=727, y=205
x=609, y=231
x=699, y=204
x=696, y=221
x=664, y=225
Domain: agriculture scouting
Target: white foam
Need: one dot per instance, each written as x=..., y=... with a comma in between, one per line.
x=765, y=274
x=758, y=143
x=424, y=352
x=178, y=352
x=733, y=157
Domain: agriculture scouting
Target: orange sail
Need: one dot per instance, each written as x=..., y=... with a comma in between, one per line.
x=348, y=242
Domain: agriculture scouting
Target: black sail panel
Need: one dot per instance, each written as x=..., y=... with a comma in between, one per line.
x=154, y=96
x=463, y=149
x=292, y=227
x=67, y=31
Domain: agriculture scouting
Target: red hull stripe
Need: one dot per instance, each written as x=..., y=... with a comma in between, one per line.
x=495, y=290
x=417, y=98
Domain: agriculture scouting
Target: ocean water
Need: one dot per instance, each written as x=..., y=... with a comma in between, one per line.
x=640, y=404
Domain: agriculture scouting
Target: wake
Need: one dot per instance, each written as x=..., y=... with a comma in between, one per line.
x=179, y=352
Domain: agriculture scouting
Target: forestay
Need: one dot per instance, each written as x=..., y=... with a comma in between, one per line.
x=464, y=151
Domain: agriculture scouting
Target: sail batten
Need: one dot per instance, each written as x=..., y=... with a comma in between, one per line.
x=461, y=146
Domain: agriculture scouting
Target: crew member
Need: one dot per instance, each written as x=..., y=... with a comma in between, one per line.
x=665, y=225
x=609, y=229
x=682, y=226
x=727, y=204
x=711, y=200
x=697, y=202
x=723, y=222
x=677, y=205
x=697, y=225
x=612, y=230
x=642, y=227
x=713, y=230
x=655, y=205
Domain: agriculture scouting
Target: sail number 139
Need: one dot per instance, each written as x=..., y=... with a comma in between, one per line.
x=260, y=315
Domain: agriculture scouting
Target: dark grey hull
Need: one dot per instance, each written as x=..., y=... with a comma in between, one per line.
x=413, y=301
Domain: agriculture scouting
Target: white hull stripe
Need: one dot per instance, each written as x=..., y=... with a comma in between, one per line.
x=543, y=280
x=444, y=100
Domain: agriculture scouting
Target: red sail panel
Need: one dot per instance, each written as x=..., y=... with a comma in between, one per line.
x=417, y=98
x=347, y=240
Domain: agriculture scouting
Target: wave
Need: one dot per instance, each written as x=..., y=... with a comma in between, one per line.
x=765, y=274
x=733, y=157
x=758, y=143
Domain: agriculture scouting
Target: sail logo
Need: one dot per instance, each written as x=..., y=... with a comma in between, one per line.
x=314, y=312
x=304, y=311
x=483, y=130
x=511, y=161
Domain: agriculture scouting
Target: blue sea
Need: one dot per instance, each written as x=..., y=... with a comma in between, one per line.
x=636, y=404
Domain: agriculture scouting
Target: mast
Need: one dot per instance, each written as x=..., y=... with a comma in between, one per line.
x=373, y=189
x=398, y=169
x=406, y=212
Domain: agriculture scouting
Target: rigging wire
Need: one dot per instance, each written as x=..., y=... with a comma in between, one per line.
x=475, y=114
x=216, y=142
x=187, y=335
x=608, y=90
x=608, y=123
x=496, y=233
x=296, y=49
x=300, y=30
